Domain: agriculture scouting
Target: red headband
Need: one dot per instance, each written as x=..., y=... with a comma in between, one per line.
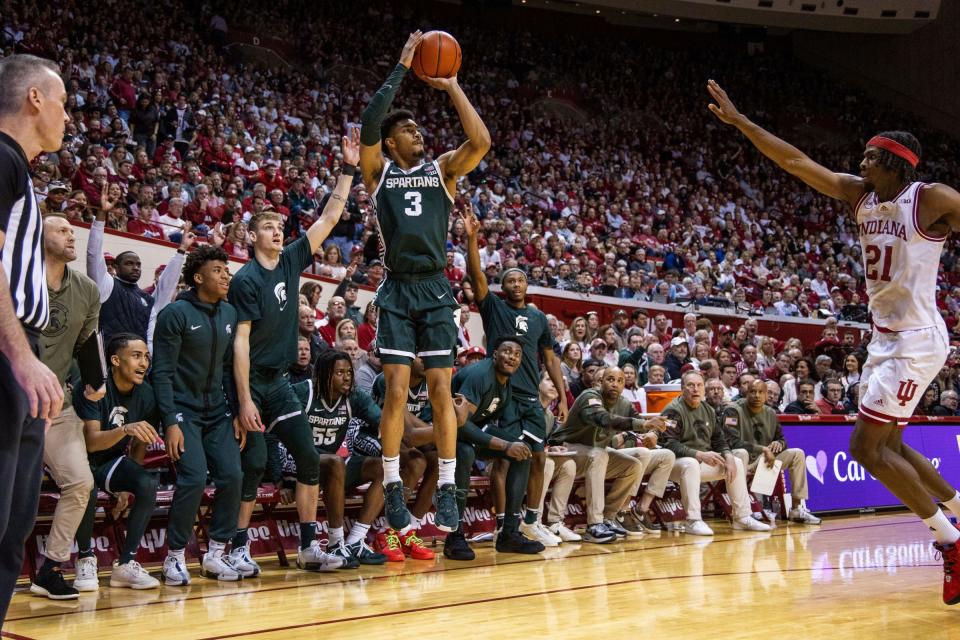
x=895, y=148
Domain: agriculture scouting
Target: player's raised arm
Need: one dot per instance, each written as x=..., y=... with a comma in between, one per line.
x=464, y=159
x=841, y=186
x=331, y=213
x=474, y=270
x=371, y=155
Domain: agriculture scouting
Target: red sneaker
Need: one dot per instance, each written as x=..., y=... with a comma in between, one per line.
x=389, y=545
x=951, y=571
x=412, y=546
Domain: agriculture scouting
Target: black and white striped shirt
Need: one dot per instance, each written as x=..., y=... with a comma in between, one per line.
x=22, y=252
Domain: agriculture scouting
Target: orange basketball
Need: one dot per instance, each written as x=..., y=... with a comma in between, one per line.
x=438, y=56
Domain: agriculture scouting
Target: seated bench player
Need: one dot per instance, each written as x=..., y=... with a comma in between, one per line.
x=330, y=402
x=126, y=416
x=482, y=392
x=589, y=431
x=703, y=455
x=755, y=426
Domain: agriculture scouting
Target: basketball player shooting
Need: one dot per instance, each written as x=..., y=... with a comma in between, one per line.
x=902, y=224
x=414, y=200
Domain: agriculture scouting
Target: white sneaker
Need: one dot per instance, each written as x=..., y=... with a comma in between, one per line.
x=313, y=558
x=486, y=536
x=749, y=524
x=539, y=534
x=242, y=563
x=175, y=573
x=561, y=531
x=546, y=531
x=86, y=578
x=132, y=576
x=803, y=516
x=697, y=528
x=216, y=565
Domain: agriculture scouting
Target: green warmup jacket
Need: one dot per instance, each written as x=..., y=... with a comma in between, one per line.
x=193, y=358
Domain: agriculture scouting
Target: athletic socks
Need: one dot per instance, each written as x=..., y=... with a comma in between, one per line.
x=391, y=470
x=448, y=469
x=215, y=549
x=308, y=533
x=334, y=536
x=180, y=554
x=511, y=522
x=953, y=504
x=500, y=519
x=531, y=516
x=358, y=532
x=239, y=539
x=49, y=565
x=943, y=530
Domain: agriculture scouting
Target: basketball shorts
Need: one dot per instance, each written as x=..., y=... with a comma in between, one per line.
x=899, y=368
x=417, y=320
x=524, y=418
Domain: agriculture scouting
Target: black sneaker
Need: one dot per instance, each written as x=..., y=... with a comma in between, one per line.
x=455, y=547
x=395, y=506
x=516, y=542
x=52, y=585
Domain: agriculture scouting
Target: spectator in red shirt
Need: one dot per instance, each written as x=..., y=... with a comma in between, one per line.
x=336, y=311
x=832, y=400
x=143, y=225
x=454, y=275
x=124, y=93
x=367, y=332
x=203, y=212
x=271, y=179
x=247, y=166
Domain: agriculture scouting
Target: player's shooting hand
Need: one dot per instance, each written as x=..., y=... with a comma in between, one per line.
x=350, y=144
x=250, y=417
x=174, y=442
x=470, y=223
x=723, y=108
x=239, y=433
x=406, y=56
x=444, y=84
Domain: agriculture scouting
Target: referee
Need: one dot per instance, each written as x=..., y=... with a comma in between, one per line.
x=32, y=120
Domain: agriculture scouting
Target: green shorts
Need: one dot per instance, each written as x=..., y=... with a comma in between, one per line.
x=524, y=418
x=354, y=474
x=417, y=319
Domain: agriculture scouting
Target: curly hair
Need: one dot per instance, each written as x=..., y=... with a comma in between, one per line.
x=895, y=163
x=199, y=257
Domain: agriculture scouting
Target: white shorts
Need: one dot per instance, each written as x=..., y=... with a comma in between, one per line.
x=899, y=368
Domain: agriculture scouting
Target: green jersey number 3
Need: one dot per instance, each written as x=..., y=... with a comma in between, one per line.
x=414, y=198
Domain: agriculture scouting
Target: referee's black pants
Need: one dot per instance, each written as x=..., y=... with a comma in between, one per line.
x=21, y=458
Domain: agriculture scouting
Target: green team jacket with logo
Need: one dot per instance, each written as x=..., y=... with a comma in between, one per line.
x=750, y=431
x=268, y=299
x=591, y=423
x=413, y=212
x=695, y=430
x=329, y=423
x=418, y=399
x=193, y=358
x=113, y=411
x=479, y=385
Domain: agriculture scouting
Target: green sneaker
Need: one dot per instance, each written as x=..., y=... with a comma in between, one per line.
x=341, y=550
x=447, y=517
x=395, y=506
x=364, y=554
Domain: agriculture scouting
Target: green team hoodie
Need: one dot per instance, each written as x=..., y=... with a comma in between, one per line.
x=193, y=358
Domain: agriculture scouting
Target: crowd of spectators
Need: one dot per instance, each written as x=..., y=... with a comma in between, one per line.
x=606, y=175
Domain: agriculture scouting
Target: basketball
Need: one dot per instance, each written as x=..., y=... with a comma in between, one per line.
x=438, y=56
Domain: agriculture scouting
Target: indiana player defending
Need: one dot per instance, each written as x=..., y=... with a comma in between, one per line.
x=414, y=200
x=902, y=225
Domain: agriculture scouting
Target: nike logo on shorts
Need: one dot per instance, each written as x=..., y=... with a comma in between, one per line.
x=194, y=328
x=441, y=296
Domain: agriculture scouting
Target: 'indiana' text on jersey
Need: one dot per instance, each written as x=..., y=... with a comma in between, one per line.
x=413, y=211
x=900, y=261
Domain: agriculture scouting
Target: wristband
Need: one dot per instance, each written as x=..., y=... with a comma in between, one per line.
x=349, y=170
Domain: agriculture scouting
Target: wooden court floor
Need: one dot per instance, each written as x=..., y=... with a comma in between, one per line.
x=872, y=577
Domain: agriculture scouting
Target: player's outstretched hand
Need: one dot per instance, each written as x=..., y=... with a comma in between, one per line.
x=723, y=108
x=470, y=223
x=410, y=48
x=351, y=147
x=444, y=84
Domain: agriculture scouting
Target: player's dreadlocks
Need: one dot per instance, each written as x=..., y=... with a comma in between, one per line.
x=324, y=370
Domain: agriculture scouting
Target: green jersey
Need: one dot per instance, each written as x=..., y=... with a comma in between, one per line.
x=268, y=299
x=418, y=400
x=113, y=411
x=529, y=326
x=330, y=423
x=413, y=212
x=479, y=385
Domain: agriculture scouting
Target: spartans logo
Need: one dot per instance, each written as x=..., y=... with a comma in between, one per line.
x=520, y=323
x=58, y=321
x=229, y=329
x=493, y=405
x=118, y=417
x=280, y=291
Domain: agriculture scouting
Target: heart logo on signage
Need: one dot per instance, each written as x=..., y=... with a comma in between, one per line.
x=816, y=466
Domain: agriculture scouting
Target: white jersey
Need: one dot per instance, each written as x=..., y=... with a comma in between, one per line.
x=900, y=261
